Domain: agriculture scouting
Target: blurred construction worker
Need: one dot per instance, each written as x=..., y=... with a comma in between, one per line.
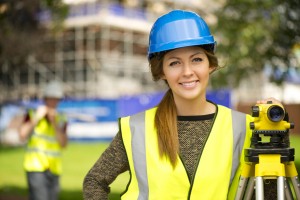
x=44, y=129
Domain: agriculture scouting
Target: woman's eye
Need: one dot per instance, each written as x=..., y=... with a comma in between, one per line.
x=197, y=59
x=174, y=63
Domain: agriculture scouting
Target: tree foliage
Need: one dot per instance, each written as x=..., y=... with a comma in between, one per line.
x=252, y=34
x=22, y=32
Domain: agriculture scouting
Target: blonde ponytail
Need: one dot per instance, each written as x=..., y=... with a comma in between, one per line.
x=166, y=125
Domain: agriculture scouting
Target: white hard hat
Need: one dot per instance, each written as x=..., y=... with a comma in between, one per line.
x=53, y=89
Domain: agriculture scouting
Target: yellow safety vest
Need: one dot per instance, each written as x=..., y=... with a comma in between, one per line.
x=217, y=175
x=43, y=152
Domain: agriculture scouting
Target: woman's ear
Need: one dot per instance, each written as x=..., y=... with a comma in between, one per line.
x=212, y=69
x=162, y=75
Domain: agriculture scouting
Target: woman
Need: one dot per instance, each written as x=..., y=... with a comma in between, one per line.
x=187, y=147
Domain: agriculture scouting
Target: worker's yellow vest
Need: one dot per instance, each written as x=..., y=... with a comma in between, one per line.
x=217, y=175
x=43, y=151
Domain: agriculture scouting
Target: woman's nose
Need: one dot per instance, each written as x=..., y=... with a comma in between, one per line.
x=187, y=70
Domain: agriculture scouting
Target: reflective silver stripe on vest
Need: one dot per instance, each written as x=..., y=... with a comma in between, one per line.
x=46, y=152
x=44, y=137
x=239, y=134
x=138, y=132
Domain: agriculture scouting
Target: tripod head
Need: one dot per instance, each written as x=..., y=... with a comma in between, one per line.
x=269, y=159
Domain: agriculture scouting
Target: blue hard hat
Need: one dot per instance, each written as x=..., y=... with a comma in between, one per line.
x=177, y=29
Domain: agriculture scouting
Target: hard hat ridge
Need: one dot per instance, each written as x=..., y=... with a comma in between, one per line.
x=177, y=29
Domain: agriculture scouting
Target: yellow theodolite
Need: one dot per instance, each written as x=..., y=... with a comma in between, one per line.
x=269, y=156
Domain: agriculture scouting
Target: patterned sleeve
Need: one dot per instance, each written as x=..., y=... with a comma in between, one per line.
x=111, y=163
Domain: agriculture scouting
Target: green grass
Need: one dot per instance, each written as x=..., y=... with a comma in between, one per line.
x=295, y=142
x=78, y=158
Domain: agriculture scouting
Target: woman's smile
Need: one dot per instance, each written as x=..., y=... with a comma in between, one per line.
x=190, y=84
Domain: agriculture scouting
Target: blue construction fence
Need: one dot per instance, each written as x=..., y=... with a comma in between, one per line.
x=94, y=119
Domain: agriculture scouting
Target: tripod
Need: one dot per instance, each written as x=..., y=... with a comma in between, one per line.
x=268, y=164
x=269, y=160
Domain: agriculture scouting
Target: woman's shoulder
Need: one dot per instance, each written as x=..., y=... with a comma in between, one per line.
x=140, y=114
x=233, y=110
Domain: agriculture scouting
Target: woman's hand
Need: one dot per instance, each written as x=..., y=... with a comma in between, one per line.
x=264, y=101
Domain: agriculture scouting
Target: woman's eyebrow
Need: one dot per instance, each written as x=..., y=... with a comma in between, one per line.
x=200, y=52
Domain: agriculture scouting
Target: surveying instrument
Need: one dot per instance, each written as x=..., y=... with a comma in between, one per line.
x=269, y=159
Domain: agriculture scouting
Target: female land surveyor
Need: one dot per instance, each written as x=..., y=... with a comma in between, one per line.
x=187, y=147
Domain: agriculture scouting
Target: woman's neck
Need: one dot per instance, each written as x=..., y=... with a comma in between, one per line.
x=191, y=108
